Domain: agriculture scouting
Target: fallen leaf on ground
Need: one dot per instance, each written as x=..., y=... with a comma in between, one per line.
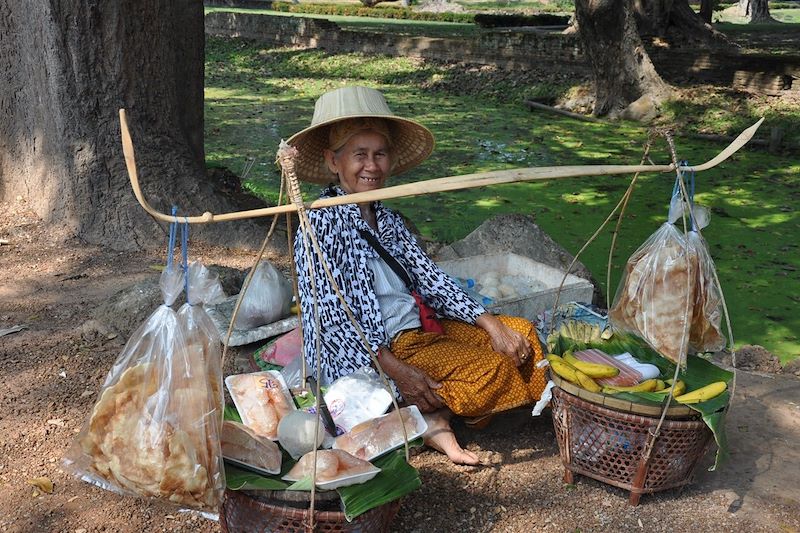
x=42, y=483
x=56, y=422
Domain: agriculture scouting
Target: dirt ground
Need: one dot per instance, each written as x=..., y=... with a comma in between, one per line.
x=50, y=374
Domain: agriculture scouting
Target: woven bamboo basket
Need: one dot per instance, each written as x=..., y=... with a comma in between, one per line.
x=610, y=446
x=269, y=511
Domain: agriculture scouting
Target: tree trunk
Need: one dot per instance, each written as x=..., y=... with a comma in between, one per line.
x=706, y=10
x=68, y=66
x=755, y=11
x=676, y=22
x=623, y=72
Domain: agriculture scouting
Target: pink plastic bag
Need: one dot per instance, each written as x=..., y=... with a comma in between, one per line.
x=283, y=350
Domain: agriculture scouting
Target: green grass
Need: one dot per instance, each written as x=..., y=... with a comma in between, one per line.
x=785, y=15
x=256, y=96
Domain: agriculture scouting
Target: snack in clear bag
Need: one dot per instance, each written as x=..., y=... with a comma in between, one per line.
x=267, y=299
x=154, y=431
x=375, y=437
x=705, y=333
x=261, y=399
x=335, y=468
x=357, y=397
x=655, y=298
x=243, y=446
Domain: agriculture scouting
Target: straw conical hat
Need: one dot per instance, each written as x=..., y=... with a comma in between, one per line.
x=412, y=142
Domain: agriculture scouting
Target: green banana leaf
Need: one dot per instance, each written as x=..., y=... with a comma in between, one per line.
x=230, y=413
x=699, y=372
x=239, y=479
x=396, y=479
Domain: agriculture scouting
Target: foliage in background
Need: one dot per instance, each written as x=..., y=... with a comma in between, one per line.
x=256, y=96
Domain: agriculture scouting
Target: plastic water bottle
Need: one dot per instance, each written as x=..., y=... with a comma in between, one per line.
x=469, y=286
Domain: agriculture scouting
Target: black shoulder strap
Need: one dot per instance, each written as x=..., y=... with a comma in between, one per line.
x=387, y=258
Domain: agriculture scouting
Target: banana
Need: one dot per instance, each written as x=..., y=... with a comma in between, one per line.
x=660, y=385
x=587, y=383
x=593, y=370
x=562, y=368
x=680, y=388
x=572, y=374
x=703, y=394
x=645, y=386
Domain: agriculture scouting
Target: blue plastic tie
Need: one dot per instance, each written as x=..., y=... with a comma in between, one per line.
x=173, y=226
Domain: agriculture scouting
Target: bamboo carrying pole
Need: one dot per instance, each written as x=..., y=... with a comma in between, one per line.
x=451, y=183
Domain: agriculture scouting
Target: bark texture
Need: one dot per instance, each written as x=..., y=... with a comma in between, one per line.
x=676, y=22
x=706, y=10
x=755, y=11
x=67, y=67
x=623, y=72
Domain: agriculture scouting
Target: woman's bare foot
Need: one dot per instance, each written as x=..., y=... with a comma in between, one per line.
x=440, y=436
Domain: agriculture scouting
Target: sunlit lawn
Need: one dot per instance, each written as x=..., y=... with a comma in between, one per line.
x=256, y=96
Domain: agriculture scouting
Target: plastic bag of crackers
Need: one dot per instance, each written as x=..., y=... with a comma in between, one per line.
x=155, y=430
x=669, y=294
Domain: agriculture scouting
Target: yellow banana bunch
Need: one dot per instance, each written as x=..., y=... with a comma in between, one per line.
x=562, y=368
x=645, y=386
x=593, y=370
x=703, y=394
x=572, y=374
x=680, y=388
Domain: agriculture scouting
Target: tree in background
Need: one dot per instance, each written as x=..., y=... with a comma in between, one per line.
x=67, y=67
x=622, y=70
x=755, y=11
x=707, y=8
x=613, y=33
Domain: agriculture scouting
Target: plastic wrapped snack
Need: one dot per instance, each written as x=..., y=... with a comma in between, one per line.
x=261, y=399
x=296, y=433
x=335, y=468
x=705, y=334
x=244, y=446
x=375, y=437
x=655, y=298
x=357, y=397
x=153, y=432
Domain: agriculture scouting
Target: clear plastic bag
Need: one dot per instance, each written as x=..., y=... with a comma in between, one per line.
x=655, y=298
x=669, y=294
x=154, y=432
x=705, y=333
x=268, y=298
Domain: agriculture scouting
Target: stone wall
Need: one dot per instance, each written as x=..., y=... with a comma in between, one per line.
x=511, y=48
x=501, y=47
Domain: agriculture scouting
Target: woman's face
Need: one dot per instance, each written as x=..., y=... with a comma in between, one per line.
x=363, y=163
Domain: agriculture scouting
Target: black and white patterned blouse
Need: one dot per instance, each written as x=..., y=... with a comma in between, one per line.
x=341, y=349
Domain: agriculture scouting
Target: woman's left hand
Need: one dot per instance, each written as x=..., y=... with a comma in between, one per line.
x=504, y=339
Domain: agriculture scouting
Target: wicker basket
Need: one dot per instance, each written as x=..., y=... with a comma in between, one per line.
x=250, y=512
x=609, y=446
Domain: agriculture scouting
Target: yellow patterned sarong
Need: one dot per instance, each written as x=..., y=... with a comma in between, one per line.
x=475, y=379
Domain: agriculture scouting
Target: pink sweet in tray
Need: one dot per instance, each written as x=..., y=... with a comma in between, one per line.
x=627, y=376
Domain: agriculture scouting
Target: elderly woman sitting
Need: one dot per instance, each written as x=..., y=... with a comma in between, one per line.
x=479, y=364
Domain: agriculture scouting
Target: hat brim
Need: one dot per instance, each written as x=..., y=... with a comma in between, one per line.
x=412, y=143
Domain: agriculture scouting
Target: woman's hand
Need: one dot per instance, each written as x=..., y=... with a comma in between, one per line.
x=416, y=386
x=504, y=339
